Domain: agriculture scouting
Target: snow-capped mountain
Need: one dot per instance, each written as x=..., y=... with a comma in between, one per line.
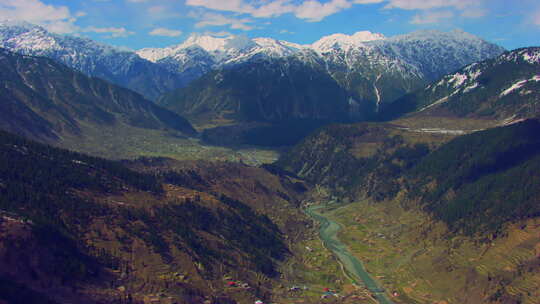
x=222, y=49
x=121, y=67
x=369, y=65
x=230, y=49
x=345, y=42
x=506, y=88
x=372, y=67
x=205, y=53
x=201, y=54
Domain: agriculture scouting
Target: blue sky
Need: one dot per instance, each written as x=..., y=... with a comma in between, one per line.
x=157, y=23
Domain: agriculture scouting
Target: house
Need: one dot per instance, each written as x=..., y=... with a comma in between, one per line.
x=294, y=288
x=151, y=299
x=327, y=295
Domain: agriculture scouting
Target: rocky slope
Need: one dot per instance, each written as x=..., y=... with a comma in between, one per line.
x=46, y=100
x=505, y=88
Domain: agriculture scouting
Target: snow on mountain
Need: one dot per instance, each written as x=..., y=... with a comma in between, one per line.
x=469, y=76
x=370, y=65
x=118, y=66
x=504, y=88
x=200, y=54
x=438, y=53
x=237, y=48
x=222, y=50
x=422, y=54
x=35, y=40
x=155, y=54
x=345, y=42
x=529, y=55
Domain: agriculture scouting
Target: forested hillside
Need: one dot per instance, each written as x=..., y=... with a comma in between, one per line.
x=435, y=205
x=53, y=102
x=77, y=220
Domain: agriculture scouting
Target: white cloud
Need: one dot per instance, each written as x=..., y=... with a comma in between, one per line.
x=432, y=12
x=431, y=4
x=367, y=1
x=315, y=11
x=474, y=13
x=161, y=31
x=115, y=32
x=312, y=10
x=222, y=5
x=273, y=9
x=213, y=19
x=158, y=9
x=217, y=34
x=55, y=18
x=286, y=32
x=162, y=12
x=431, y=17
x=536, y=18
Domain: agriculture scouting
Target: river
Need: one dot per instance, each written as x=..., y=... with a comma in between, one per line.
x=328, y=234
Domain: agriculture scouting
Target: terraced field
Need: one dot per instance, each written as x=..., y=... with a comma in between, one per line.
x=309, y=271
x=416, y=257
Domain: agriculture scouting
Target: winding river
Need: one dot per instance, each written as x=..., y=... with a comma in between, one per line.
x=328, y=234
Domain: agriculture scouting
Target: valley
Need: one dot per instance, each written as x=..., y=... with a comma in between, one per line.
x=130, y=143
x=358, y=168
x=328, y=234
x=411, y=253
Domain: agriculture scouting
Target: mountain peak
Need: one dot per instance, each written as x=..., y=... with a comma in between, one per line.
x=345, y=41
x=208, y=43
x=218, y=44
x=456, y=34
x=363, y=36
x=26, y=36
x=19, y=24
x=530, y=55
x=218, y=47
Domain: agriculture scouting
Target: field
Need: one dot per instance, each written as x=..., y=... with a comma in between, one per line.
x=123, y=142
x=411, y=254
x=312, y=269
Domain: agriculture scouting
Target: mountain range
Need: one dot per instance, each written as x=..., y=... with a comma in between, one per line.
x=94, y=59
x=369, y=68
x=424, y=54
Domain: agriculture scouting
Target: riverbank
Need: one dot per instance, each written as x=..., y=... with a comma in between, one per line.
x=409, y=252
x=328, y=233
